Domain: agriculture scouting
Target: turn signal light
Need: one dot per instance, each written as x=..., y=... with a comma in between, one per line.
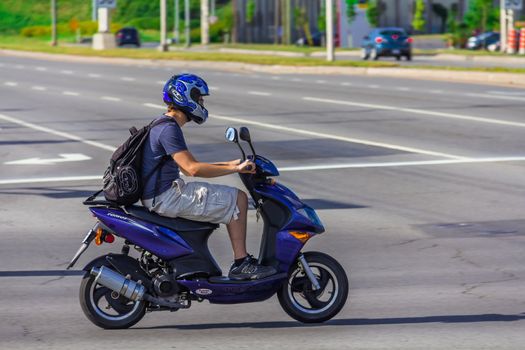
x=301, y=236
x=103, y=236
x=98, y=236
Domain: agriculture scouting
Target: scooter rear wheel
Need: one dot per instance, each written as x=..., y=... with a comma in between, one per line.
x=304, y=304
x=106, y=308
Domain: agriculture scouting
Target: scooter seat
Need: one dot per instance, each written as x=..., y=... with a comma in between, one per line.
x=176, y=224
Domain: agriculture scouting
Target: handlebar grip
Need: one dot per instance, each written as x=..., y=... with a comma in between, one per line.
x=249, y=168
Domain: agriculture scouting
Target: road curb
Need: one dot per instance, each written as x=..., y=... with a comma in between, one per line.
x=507, y=79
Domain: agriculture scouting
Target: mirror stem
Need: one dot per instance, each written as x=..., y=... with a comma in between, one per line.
x=253, y=150
x=242, y=151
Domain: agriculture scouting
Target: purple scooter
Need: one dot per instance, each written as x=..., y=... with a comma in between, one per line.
x=174, y=267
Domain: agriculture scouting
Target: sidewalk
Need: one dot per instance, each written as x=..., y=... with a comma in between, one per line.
x=505, y=79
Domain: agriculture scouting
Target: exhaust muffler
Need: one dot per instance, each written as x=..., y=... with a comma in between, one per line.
x=118, y=283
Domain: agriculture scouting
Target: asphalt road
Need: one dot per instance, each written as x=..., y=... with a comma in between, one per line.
x=419, y=183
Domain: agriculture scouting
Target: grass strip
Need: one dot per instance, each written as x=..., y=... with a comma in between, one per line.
x=35, y=45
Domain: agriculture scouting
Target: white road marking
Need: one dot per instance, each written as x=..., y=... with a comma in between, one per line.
x=297, y=79
x=50, y=179
x=93, y=75
x=436, y=91
x=70, y=93
x=511, y=93
x=127, y=79
x=320, y=81
x=373, y=86
x=66, y=71
x=215, y=88
x=39, y=88
x=399, y=164
x=41, y=69
x=19, y=66
x=57, y=133
x=327, y=136
x=259, y=93
x=276, y=78
x=11, y=83
x=290, y=169
x=500, y=97
x=153, y=105
x=346, y=83
x=402, y=88
x=64, y=157
x=110, y=98
x=419, y=111
x=161, y=82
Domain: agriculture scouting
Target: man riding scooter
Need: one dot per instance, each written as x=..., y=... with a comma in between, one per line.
x=166, y=194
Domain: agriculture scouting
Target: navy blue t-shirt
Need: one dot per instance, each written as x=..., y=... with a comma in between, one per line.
x=164, y=140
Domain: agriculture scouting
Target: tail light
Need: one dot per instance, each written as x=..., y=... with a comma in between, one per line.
x=395, y=36
x=410, y=40
x=379, y=40
x=120, y=35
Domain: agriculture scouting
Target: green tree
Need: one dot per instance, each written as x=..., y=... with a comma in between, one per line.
x=482, y=15
x=372, y=13
x=418, y=23
x=302, y=23
x=350, y=9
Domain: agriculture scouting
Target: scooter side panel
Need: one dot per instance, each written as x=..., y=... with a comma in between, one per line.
x=287, y=197
x=233, y=293
x=286, y=250
x=160, y=241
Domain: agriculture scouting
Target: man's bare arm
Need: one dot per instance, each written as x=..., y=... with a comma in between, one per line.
x=191, y=167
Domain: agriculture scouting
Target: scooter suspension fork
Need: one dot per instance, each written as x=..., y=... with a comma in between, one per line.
x=309, y=273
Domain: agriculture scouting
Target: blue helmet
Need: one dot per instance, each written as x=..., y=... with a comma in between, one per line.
x=183, y=91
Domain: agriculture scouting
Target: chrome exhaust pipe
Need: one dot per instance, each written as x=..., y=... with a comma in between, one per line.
x=118, y=283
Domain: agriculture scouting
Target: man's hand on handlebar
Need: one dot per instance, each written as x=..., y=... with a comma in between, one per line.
x=246, y=167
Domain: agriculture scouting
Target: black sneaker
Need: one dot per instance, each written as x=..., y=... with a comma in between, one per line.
x=250, y=269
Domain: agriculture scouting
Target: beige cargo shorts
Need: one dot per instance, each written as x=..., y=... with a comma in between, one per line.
x=198, y=201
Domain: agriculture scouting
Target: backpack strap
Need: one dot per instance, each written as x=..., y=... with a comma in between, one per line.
x=164, y=159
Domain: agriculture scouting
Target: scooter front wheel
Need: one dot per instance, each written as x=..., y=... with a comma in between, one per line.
x=302, y=302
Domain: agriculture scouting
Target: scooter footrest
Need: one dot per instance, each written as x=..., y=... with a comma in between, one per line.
x=226, y=280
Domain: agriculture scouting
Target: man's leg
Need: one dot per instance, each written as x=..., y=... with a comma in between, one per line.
x=237, y=228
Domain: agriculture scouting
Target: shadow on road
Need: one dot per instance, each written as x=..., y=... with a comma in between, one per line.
x=352, y=322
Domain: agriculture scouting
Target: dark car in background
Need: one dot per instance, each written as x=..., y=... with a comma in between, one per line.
x=483, y=41
x=382, y=42
x=128, y=36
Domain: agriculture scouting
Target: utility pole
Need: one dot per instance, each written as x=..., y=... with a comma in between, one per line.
x=205, y=22
x=176, y=24
x=94, y=10
x=503, y=26
x=163, y=43
x=187, y=22
x=288, y=22
x=329, y=30
x=53, y=23
x=212, y=5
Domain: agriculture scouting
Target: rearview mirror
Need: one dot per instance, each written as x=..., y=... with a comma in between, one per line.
x=245, y=134
x=231, y=135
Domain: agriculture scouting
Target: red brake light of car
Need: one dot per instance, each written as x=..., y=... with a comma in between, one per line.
x=379, y=40
x=395, y=36
x=410, y=40
x=120, y=35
